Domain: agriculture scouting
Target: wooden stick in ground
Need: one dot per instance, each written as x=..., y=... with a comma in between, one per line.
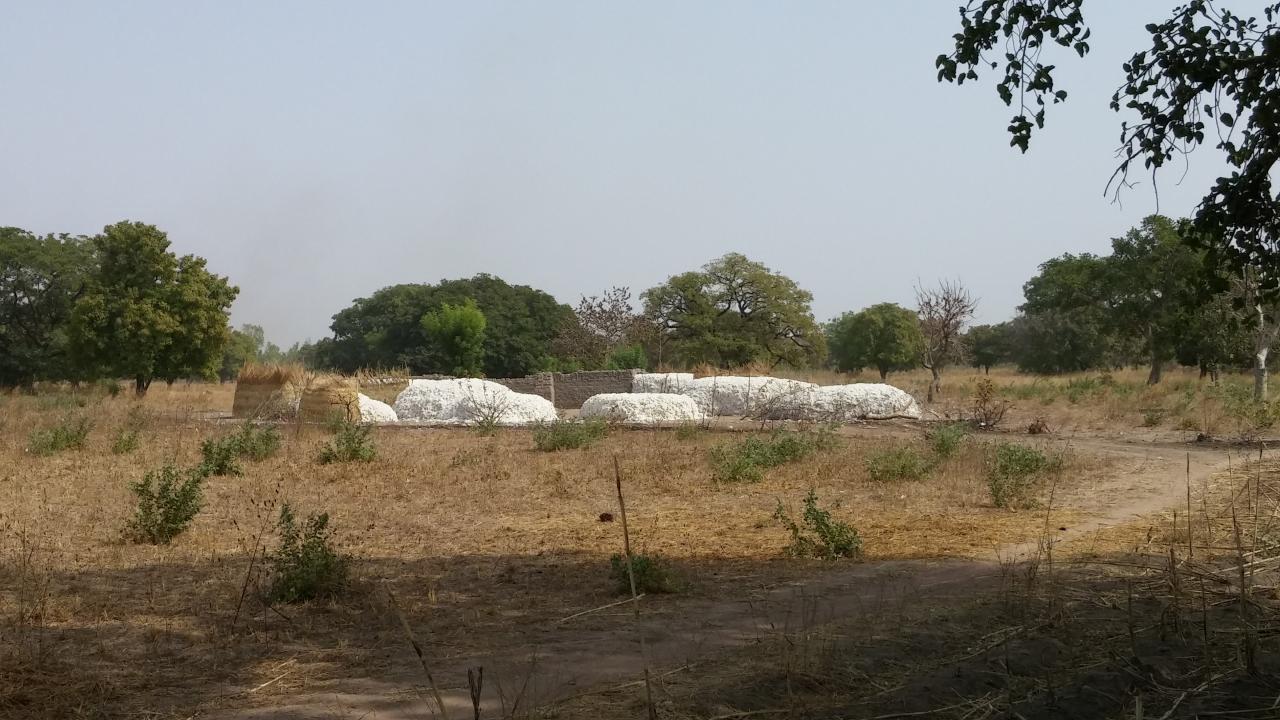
x=1190, y=551
x=417, y=649
x=635, y=596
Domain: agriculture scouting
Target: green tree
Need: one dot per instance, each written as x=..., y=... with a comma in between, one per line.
x=989, y=345
x=1066, y=323
x=733, y=312
x=147, y=313
x=458, y=333
x=40, y=279
x=885, y=337
x=243, y=346
x=1208, y=74
x=385, y=329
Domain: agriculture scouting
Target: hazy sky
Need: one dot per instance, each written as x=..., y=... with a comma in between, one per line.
x=315, y=152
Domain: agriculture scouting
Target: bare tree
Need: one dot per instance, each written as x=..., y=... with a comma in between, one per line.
x=600, y=325
x=943, y=311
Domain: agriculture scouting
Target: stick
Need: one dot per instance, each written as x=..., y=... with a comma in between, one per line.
x=1190, y=551
x=602, y=607
x=418, y=650
x=475, y=681
x=635, y=596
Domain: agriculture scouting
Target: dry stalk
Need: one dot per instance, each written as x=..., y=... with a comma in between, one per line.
x=631, y=578
x=417, y=649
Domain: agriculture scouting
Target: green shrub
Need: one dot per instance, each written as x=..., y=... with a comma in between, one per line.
x=305, y=566
x=652, y=575
x=820, y=536
x=686, y=431
x=221, y=455
x=168, y=499
x=1152, y=417
x=746, y=460
x=568, y=434
x=66, y=435
x=126, y=442
x=627, y=357
x=110, y=387
x=946, y=439
x=897, y=464
x=1014, y=473
x=1251, y=416
x=351, y=444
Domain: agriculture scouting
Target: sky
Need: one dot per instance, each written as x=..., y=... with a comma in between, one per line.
x=317, y=151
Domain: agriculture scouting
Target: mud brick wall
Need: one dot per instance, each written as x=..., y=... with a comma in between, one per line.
x=541, y=384
x=573, y=389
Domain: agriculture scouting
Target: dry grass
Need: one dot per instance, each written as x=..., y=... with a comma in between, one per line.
x=272, y=374
x=482, y=539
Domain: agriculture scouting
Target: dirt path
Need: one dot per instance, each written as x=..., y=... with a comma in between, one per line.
x=602, y=650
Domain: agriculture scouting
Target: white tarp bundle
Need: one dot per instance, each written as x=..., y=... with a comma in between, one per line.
x=375, y=411
x=839, y=403
x=469, y=401
x=642, y=408
x=660, y=382
x=744, y=396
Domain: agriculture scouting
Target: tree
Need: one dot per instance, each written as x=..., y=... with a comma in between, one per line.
x=40, y=279
x=385, y=329
x=943, y=312
x=147, y=313
x=733, y=312
x=1066, y=324
x=885, y=336
x=1208, y=73
x=243, y=346
x=458, y=332
x=600, y=326
x=989, y=345
x=1263, y=315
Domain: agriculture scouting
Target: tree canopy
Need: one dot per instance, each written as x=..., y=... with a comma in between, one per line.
x=147, y=313
x=385, y=329
x=1209, y=75
x=885, y=337
x=457, y=332
x=732, y=312
x=40, y=280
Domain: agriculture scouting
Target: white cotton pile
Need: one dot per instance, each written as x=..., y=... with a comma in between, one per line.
x=375, y=411
x=838, y=403
x=660, y=382
x=468, y=401
x=743, y=396
x=642, y=408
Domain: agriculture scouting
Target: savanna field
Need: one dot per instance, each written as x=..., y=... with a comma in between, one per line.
x=497, y=554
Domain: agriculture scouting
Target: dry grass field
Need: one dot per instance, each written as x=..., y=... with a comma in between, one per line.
x=484, y=546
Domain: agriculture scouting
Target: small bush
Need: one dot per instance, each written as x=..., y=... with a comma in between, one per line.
x=1014, y=473
x=306, y=566
x=652, y=575
x=946, y=439
x=66, y=435
x=168, y=499
x=126, y=442
x=221, y=455
x=686, y=431
x=746, y=461
x=897, y=464
x=1251, y=417
x=569, y=435
x=988, y=409
x=820, y=536
x=1152, y=417
x=351, y=444
x=109, y=387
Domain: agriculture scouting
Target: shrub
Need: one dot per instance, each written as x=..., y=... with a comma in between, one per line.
x=689, y=431
x=569, y=435
x=988, y=409
x=221, y=455
x=66, y=435
x=351, y=444
x=945, y=440
x=109, y=387
x=896, y=464
x=168, y=499
x=820, y=536
x=1152, y=417
x=306, y=565
x=126, y=442
x=746, y=461
x=1251, y=416
x=652, y=575
x=1014, y=473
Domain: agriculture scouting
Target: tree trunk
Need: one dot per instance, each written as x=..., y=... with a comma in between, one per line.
x=884, y=373
x=935, y=385
x=1260, y=375
x=986, y=369
x=1157, y=371
x=140, y=385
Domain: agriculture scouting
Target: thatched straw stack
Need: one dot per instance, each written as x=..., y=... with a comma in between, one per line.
x=268, y=391
x=330, y=396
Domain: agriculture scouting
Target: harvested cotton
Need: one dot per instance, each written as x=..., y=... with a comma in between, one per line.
x=642, y=408
x=375, y=411
x=468, y=401
x=743, y=396
x=660, y=382
x=839, y=403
